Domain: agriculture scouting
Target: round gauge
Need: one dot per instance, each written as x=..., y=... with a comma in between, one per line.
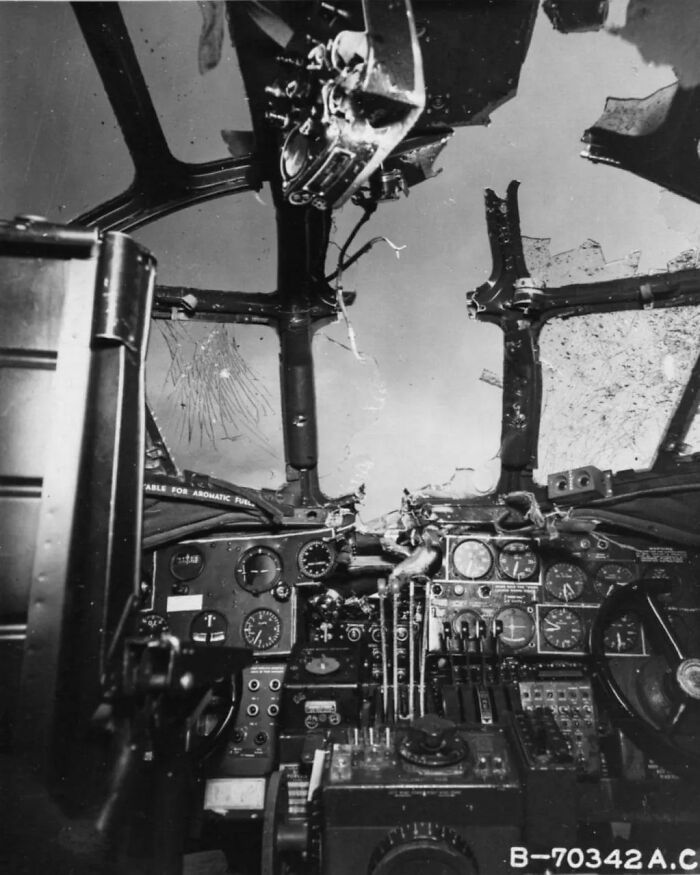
x=610, y=575
x=518, y=627
x=152, y=624
x=258, y=570
x=517, y=560
x=316, y=559
x=622, y=634
x=262, y=629
x=562, y=629
x=186, y=563
x=209, y=627
x=564, y=581
x=471, y=618
x=472, y=559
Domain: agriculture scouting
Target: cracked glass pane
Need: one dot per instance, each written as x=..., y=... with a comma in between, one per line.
x=215, y=393
x=610, y=384
x=215, y=387
x=610, y=381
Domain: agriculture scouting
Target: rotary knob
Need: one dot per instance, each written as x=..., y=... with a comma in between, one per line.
x=418, y=848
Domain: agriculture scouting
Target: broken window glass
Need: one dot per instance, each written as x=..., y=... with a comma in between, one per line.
x=215, y=387
x=610, y=381
x=63, y=145
x=417, y=408
x=214, y=390
x=610, y=385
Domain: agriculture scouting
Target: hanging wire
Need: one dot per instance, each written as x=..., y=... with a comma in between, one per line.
x=343, y=263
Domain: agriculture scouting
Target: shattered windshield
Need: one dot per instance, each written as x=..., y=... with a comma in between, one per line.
x=610, y=384
x=411, y=397
x=214, y=387
x=610, y=381
x=214, y=390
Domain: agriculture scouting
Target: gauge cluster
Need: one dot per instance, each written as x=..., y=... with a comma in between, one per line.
x=476, y=559
x=540, y=598
x=236, y=590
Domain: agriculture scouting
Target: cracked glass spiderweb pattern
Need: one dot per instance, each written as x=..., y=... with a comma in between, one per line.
x=611, y=382
x=218, y=404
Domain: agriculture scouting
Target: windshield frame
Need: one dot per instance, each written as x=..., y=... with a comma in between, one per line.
x=304, y=299
x=521, y=305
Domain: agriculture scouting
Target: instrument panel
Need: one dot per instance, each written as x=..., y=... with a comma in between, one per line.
x=473, y=682
x=235, y=590
x=538, y=597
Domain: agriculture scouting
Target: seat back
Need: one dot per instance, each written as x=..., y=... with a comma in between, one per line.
x=74, y=308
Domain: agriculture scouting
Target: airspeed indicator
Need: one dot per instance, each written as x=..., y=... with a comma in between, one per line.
x=262, y=629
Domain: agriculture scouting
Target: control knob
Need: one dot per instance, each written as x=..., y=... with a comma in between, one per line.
x=418, y=848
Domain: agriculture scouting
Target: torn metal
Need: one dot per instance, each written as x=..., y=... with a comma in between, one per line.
x=655, y=137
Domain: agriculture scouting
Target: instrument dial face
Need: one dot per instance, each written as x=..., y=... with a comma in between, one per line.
x=209, y=627
x=152, y=624
x=186, y=563
x=316, y=559
x=517, y=560
x=562, y=629
x=262, y=629
x=622, y=634
x=259, y=570
x=612, y=575
x=518, y=627
x=564, y=581
x=472, y=559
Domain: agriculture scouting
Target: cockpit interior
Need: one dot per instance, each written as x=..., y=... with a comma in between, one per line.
x=350, y=495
